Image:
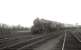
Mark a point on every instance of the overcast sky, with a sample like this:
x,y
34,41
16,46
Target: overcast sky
x,y
14,12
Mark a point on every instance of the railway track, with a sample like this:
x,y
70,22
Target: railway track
x,y
71,42
68,42
29,44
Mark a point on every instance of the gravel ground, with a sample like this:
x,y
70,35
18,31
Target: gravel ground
x,y
50,45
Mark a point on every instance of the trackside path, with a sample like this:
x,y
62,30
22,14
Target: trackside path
x,y
50,45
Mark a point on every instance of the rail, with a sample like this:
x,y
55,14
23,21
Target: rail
x,y
29,42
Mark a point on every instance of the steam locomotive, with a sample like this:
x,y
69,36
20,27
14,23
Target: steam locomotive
x,y
42,25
